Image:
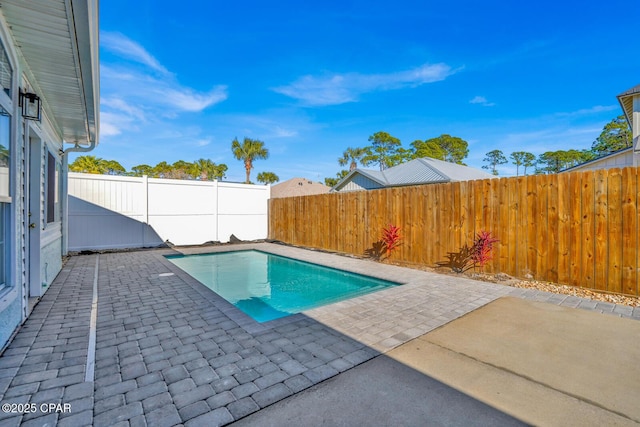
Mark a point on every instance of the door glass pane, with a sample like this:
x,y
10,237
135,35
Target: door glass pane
x,y
5,134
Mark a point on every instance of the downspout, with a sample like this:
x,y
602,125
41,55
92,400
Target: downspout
x,y
65,191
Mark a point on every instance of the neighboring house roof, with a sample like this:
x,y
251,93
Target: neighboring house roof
x,y
58,41
418,171
626,102
606,161
298,187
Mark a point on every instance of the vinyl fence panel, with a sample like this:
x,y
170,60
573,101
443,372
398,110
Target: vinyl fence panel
x,y
109,212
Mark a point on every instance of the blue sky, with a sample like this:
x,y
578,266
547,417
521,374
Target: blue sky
x,y
179,81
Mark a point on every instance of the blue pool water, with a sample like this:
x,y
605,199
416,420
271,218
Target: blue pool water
x,y
268,287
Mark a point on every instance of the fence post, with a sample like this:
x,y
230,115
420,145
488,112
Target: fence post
x,y
145,207
145,199
216,214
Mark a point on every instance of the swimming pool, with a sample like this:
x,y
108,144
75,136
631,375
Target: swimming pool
x,y
268,287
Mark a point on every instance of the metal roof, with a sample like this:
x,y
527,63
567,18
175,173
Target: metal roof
x,y
626,102
419,171
57,43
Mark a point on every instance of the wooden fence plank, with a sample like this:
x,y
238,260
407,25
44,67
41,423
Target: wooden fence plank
x,y
601,230
629,231
564,223
522,233
541,223
531,227
502,225
457,216
552,257
494,214
575,228
510,233
613,237
588,230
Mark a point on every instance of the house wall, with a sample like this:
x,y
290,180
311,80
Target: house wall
x,y
110,212
613,161
30,142
359,182
13,295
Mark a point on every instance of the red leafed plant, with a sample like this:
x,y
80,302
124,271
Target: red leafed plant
x,y
391,238
481,251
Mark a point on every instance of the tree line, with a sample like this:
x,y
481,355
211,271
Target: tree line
x,y
202,169
386,151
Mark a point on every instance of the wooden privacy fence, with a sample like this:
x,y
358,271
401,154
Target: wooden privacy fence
x,y
578,228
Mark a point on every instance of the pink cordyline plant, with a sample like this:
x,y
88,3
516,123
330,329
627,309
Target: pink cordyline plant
x,y
391,238
481,251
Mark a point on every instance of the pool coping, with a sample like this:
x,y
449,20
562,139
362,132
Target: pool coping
x,y
388,283
339,315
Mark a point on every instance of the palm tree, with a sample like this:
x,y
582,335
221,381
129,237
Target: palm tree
x,y
250,150
268,177
204,168
353,155
89,164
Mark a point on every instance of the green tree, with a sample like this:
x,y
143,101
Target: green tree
x,y
494,158
555,161
181,169
385,150
267,177
455,149
353,156
615,136
523,158
140,170
89,164
114,168
219,172
248,151
162,170
332,182
207,170
427,149
4,155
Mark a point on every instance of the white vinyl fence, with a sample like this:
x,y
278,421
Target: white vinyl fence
x,y
114,212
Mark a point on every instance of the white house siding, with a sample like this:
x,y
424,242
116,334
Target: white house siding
x,y
109,212
12,295
360,182
620,160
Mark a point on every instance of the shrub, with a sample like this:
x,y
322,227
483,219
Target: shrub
x,y
481,251
391,238
477,255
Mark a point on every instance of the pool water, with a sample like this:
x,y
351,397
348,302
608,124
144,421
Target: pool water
x,y
268,287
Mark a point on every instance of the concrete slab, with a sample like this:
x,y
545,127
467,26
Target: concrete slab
x,y
380,392
544,364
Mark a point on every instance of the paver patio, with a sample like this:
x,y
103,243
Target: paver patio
x,y
169,351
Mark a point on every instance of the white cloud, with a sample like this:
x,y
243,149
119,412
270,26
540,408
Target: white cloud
x,y
143,91
588,111
124,47
551,139
342,88
188,100
482,101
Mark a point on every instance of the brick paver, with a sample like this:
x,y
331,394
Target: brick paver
x,y
169,351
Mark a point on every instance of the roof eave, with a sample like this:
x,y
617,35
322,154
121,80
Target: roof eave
x,y
47,32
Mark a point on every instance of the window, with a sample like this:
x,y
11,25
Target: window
x,y
5,160
6,72
6,83
53,190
